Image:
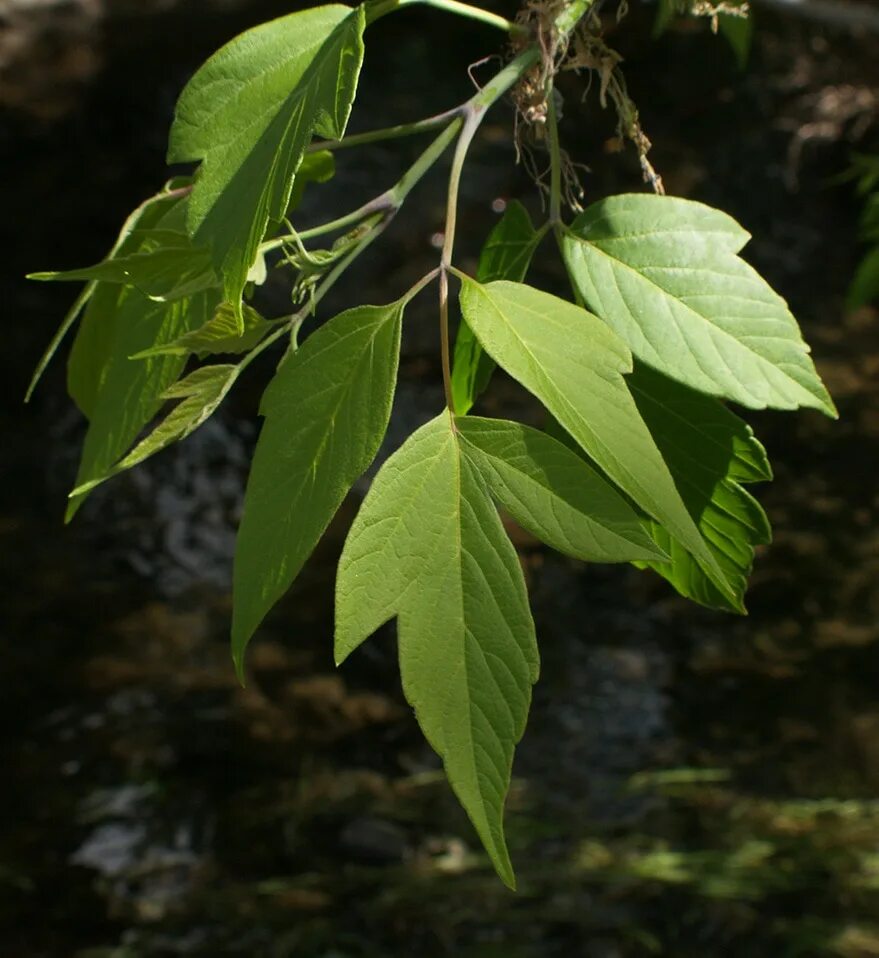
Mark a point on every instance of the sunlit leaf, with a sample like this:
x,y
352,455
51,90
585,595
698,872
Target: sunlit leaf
x,y
665,275
575,364
201,393
326,412
428,548
553,493
248,115
710,453
220,334
507,254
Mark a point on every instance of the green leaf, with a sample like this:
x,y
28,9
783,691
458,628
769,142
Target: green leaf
x,y
665,275
248,115
166,266
84,362
574,365
326,412
220,334
128,393
507,254
739,33
428,547
317,167
553,493
202,392
710,453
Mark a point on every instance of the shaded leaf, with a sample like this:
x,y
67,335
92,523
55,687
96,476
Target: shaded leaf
x,y
326,412
507,254
574,364
864,288
317,167
551,491
710,453
248,115
665,275
220,334
739,33
428,548
165,266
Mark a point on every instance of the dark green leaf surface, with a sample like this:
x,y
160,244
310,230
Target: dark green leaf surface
x,y
507,254
129,391
710,453
574,364
166,266
553,493
248,115
665,275
428,548
326,412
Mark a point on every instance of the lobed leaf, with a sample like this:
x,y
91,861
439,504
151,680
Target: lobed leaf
x,y
428,548
552,492
574,364
326,412
664,274
710,453
507,254
248,115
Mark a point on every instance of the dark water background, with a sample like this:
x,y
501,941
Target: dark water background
x,y
690,784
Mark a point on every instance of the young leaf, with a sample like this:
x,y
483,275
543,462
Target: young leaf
x,y
326,412
574,365
220,334
710,453
248,115
507,254
317,167
551,491
128,393
166,266
428,547
202,392
665,275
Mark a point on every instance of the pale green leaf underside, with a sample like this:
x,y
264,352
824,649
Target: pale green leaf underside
x,y
574,364
554,493
710,453
326,412
220,334
507,254
428,548
665,275
248,115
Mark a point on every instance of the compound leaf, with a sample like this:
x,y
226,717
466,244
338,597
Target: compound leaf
x,y
427,547
220,334
507,254
248,115
710,453
665,275
574,364
553,493
326,412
